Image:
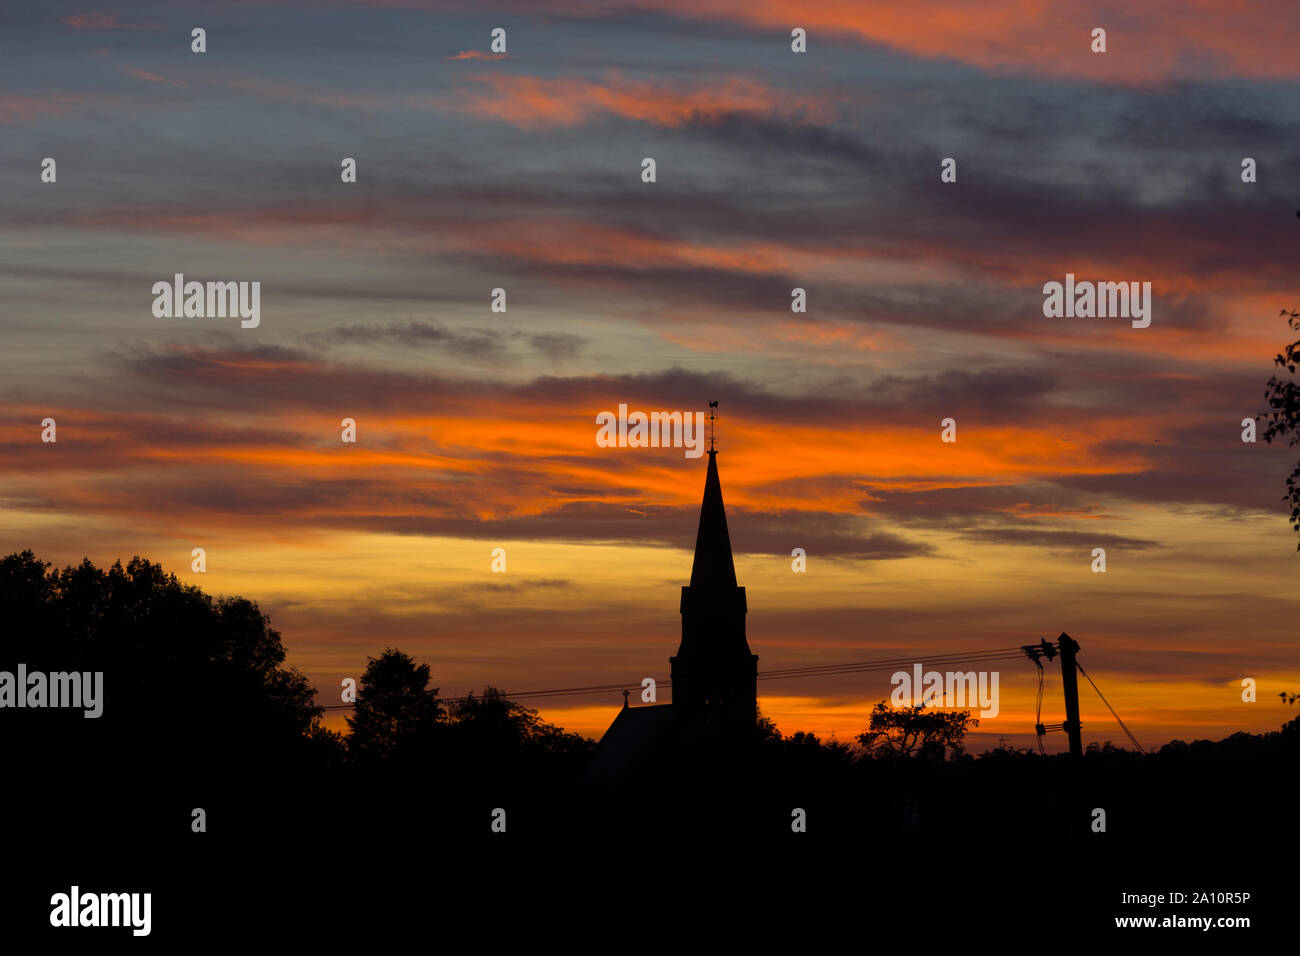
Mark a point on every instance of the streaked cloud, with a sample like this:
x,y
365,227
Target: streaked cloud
x,y
477,55
532,102
104,21
148,77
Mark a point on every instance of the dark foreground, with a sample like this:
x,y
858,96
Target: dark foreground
x,y
314,867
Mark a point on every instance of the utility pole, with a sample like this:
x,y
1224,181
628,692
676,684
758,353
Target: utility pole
x,y
1070,686
1072,804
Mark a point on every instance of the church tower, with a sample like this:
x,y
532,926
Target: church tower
x,y
714,675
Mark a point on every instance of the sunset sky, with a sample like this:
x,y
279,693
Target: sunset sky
x,y
775,170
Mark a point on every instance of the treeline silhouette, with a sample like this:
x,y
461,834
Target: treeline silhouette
x,y
200,711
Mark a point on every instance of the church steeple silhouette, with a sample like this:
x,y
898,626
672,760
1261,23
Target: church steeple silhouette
x,y
714,674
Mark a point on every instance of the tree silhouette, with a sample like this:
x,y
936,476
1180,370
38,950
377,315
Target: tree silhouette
x,y
195,699
494,741
188,677
914,732
765,729
1284,398
397,714
493,722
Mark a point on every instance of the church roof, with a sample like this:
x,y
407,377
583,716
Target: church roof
x,y
628,744
713,569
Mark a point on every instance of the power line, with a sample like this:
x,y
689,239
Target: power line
x,y
950,662
955,657
818,670
1123,726
1038,707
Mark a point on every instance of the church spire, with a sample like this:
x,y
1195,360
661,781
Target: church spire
x,y
714,568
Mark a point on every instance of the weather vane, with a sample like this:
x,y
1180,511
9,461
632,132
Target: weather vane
x,y
712,418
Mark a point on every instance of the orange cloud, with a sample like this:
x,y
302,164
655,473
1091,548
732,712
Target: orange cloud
x,y
102,21
1154,41
145,75
16,108
521,471
1151,41
477,55
532,102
